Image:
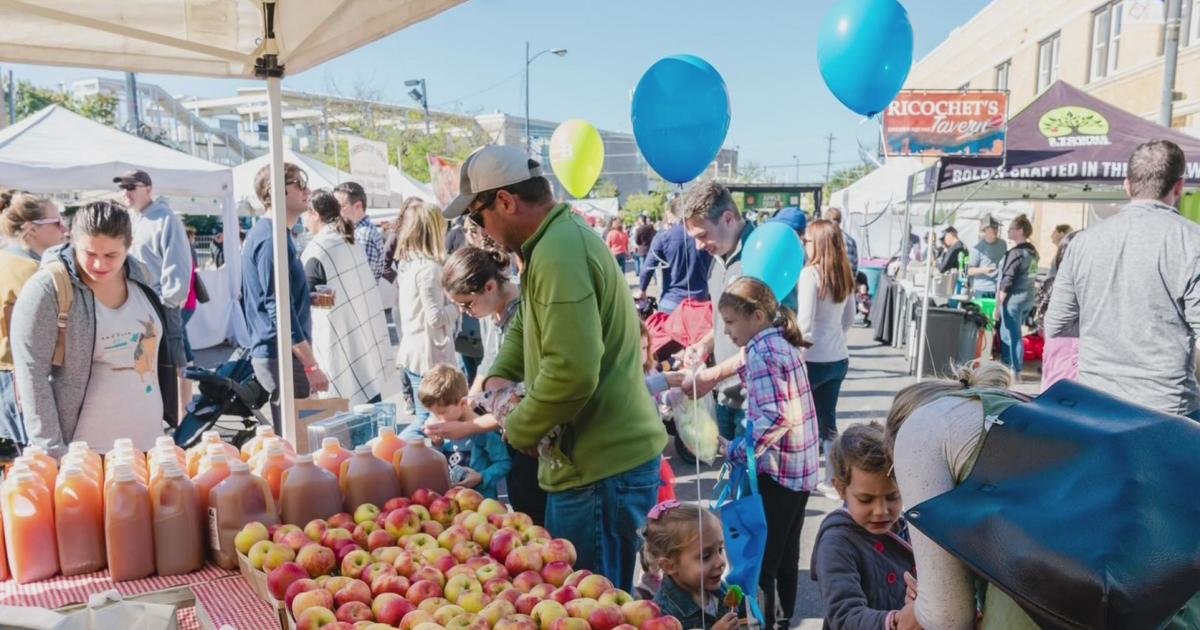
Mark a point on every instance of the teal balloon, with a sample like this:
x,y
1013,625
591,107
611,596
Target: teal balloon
x,y
773,253
865,50
680,116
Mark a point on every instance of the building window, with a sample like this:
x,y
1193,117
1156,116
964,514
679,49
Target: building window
x,y
1002,76
1190,31
1048,61
1106,40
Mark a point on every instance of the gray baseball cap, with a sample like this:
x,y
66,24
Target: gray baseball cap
x,y
489,167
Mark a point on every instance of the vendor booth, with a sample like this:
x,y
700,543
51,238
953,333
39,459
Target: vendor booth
x,y
56,151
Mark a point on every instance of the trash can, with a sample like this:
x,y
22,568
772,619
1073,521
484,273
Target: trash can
x,y
944,332
973,324
872,274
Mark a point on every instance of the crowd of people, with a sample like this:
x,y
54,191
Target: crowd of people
x,y
95,322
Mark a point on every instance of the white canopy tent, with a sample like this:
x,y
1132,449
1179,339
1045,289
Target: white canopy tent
x,y
320,175
404,186
57,151
261,39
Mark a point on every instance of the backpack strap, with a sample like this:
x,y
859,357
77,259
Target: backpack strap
x,y
66,296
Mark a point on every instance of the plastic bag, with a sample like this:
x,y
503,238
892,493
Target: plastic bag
x,y
104,611
695,424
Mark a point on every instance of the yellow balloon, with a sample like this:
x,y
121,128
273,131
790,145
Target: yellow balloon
x,y
577,156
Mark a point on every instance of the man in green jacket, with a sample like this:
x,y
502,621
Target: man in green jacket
x,y
576,344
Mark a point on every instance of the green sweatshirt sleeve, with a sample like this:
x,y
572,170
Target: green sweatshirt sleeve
x,y
572,346
510,360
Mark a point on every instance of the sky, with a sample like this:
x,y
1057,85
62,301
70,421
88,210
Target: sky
x,y
472,58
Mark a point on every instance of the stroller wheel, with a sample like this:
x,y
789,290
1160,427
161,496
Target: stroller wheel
x,y
684,453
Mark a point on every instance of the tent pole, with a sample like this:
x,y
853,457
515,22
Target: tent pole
x,y
283,323
922,339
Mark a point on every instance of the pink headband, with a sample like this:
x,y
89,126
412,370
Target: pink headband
x,y
659,510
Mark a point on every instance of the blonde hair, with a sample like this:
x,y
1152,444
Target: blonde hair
x,y
747,295
673,530
443,385
830,260
17,209
987,375
422,234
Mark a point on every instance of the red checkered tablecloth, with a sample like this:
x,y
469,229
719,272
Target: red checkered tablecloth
x,y
231,602
63,591
187,619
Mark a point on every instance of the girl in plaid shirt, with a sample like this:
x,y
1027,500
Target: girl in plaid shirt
x,y
781,427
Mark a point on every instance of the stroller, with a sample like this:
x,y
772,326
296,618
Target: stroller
x,y
230,390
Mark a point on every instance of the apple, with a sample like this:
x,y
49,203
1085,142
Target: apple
x,y
346,549
453,535
460,517
380,539
594,586
468,621
490,570
294,540
402,522
471,520
640,611
301,586
316,560
626,626
605,617
429,574
473,601
487,507
433,528
318,597
252,533
444,562
497,610
282,577
495,586
377,569
429,626
315,529
518,520
386,554
434,604
483,533
465,550
526,580
443,510
315,617
258,553
361,531
570,623
582,607
556,572
460,584
480,562
397,584
459,569
560,550
523,559
516,622
389,608
333,535
355,563
525,603
342,520
508,594
537,533
283,530
542,591
346,625
420,542
421,511
503,542
575,578
430,556
615,597
497,519
444,614
564,594
424,496
422,590
467,499
664,622
351,612
354,591
278,555
336,583
415,618
366,512
405,564
547,612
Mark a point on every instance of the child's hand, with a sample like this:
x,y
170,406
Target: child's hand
x,y
728,622
906,619
472,479
675,379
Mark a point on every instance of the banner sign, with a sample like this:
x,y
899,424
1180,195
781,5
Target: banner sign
x,y
932,123
443,174
369,167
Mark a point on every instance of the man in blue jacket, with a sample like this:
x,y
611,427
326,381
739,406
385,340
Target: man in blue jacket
x,y
685,268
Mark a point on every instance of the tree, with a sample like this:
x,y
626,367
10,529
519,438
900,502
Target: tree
x,y
653,205
31,99
751,172
605,188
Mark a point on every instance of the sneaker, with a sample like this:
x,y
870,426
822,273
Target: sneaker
x,y
827,489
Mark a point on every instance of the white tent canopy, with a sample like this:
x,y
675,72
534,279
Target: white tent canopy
x,y
404,186
320,175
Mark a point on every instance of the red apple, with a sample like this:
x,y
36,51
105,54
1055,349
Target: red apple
x,y
344,550
283,530
415,618
480,562
468,621
355,563
423,590
502,544
402,522
547,612
334,534
335,583
497,610
429,574
421,511
342,520
640,611
396,503
497,520
626,626
453,535
594,586
496,586
569,623
526,580
377,569
282,576
434,604
489,570
386,554
300,586
397,584
355,591
443,510
315,617
559,550
556,572
542,590
353,611
536,533
459,569
581,608
468,499
459,585
518,520
433,528
605,617
391,608
361,531
508,594
444,563
614,597
523,559
315,529
575,578
417,543
379,538
516,622
665,622
316,560
465,550
525,603
483,533
444,614
405,564
424,496
317,597
564,594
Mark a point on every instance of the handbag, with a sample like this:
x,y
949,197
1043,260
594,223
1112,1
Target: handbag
x,y
745,525
202,296
1081,507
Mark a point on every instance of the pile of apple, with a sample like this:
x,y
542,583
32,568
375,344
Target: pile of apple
x,y
431,562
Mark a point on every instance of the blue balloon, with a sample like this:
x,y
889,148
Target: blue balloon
x,y
865,51
773,254
680,116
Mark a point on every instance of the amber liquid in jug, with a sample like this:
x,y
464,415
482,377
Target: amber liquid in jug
x,y
367,479
419,466
128,526
178,527
79,520
309,492
239,499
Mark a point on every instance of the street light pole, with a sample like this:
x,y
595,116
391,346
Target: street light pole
x,y
529,60
797,160
1170,60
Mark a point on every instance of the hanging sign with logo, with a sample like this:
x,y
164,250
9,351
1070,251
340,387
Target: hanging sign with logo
x,y
369,167
938,123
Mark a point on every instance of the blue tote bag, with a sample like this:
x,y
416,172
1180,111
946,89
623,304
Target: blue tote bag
x,y
745,526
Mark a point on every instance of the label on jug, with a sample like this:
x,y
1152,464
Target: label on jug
x,y
214,530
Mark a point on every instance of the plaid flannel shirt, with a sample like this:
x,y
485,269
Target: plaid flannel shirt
x,y
368,234
781,418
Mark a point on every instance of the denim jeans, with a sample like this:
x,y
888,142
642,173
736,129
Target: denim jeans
x,y
620,262
11,425
186,316
469,366
602,520
825,379
414,431
730,421
1012,346
267,373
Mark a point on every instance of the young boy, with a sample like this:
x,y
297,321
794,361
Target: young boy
x,y
862,554
476,462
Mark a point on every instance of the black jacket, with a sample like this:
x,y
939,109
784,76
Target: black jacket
x,y
861,575
1019,269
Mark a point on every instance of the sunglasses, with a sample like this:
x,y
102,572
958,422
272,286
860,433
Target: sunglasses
x,y
59,222
300,184
476,215
130,186
464,306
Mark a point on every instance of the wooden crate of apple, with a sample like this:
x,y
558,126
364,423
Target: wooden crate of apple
x,y
430,562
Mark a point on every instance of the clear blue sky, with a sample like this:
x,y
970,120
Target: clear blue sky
x,y
765,49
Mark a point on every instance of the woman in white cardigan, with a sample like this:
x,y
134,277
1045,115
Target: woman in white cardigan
x,y
427,319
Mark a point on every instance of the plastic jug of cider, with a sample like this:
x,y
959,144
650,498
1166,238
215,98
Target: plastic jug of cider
x,y
237,500
206,481
256,443
166,443
385,446
93,464
331,456
367,479
79,521
197,452
178,528
273,442
43,464
128,527
420,466
136,460
27,506
127,444
271,463
308,492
